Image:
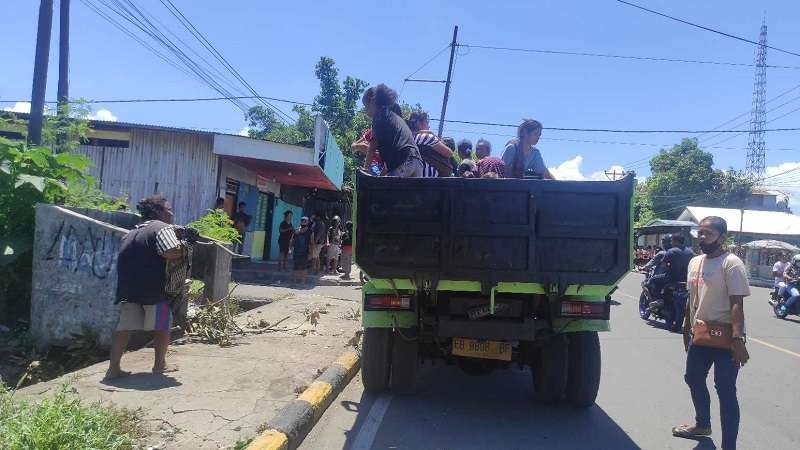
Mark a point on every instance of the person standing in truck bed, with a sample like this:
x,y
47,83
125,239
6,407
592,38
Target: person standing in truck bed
x,y
390,134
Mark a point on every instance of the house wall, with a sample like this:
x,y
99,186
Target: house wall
x,y
182,166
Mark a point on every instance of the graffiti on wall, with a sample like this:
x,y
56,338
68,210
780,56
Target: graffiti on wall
x,y
90,251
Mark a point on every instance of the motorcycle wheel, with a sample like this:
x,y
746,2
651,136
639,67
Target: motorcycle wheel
x,y
779,313
643,304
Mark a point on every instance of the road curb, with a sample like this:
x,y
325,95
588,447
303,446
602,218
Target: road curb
x,y
292,423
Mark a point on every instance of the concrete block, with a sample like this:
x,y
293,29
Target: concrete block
x,y
74,276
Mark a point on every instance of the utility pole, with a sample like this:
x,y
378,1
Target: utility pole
x,y
40,71
63,55
447,83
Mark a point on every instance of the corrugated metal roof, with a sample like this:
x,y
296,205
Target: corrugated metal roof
x,y
669,223
756,222
772,244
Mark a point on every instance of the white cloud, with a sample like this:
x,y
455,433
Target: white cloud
x,y
104,115
19,107
571,170
244,132
788,185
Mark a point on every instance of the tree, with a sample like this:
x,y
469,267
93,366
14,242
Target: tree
x,y
680,176
684,175
339,104
264,124
730,189
642,205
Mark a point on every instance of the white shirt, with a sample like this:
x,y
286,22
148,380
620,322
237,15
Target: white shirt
x,y
780,267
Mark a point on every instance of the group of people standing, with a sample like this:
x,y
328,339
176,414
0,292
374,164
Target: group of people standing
x,y
315,246
400,147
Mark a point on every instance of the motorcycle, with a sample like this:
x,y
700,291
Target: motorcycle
x,y
670,309
776,301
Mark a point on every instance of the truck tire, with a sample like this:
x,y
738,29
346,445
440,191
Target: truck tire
x,y
583,379
405,360
549,369
375,359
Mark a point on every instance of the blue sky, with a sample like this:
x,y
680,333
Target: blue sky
x,y
276,44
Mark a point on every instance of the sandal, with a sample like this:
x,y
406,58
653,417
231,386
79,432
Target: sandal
x,y
690,431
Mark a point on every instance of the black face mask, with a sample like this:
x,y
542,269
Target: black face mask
x,y
710,248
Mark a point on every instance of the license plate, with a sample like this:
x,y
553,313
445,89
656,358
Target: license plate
x,y
474,348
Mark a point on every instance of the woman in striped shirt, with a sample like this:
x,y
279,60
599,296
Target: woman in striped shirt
x,y
436,156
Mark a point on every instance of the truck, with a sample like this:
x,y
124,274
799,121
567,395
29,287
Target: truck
x,y
486,273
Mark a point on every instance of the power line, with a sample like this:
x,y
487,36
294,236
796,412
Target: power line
x,y
209,46
614,56
732,36
176,100
153,33
607,130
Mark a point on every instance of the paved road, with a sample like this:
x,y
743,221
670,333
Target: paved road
x,y
642,395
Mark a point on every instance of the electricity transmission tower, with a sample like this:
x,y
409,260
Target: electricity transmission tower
x,y
756,150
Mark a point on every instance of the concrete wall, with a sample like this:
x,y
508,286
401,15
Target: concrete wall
x,y
74,276
74,282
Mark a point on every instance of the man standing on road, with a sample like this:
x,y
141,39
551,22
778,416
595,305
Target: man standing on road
x,y
141,266
717,288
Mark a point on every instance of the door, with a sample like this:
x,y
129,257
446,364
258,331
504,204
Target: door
x,y
266,207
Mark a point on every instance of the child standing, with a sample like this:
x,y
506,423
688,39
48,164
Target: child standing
x,y
347,250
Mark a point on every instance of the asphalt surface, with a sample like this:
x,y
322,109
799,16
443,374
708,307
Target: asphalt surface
x,y
642,395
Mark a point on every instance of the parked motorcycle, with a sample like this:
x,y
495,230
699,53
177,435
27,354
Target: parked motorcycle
x,y
776,301
669,306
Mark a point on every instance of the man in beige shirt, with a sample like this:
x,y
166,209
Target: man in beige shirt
x,y
717,282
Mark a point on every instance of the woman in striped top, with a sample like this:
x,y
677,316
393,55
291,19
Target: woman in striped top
x,y
436,155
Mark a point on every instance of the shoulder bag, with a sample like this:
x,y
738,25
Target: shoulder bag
x,y
706,333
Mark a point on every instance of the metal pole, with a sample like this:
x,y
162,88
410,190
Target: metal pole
x,y
40,71
447,83
63,55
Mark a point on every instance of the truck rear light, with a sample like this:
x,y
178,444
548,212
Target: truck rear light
x,y
586,310
387,301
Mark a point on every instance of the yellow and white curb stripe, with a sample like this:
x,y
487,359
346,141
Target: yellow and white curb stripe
x,y
291,425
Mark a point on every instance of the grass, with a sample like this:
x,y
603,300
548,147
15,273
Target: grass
x,y
62,421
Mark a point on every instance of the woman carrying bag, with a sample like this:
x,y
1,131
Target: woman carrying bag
x,y
714,332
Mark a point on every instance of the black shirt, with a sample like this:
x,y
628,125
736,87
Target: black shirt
x,y
677,262
395,140
286,231
140,267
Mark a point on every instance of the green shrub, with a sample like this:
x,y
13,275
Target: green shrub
x,y
217,225
62,421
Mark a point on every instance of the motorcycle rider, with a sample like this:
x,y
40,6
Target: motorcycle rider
x,y
676,260
792,277
777,272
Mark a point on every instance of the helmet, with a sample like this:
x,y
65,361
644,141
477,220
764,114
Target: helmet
x,y
666,241
796,260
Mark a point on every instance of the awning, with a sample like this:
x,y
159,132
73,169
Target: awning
x,y
303,175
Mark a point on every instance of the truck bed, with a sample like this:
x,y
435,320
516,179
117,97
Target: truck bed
x,y
556,233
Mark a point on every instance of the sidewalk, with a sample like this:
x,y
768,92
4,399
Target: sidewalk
x,y
267,273
221,395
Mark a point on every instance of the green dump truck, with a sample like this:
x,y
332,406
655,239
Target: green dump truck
x,y
484,273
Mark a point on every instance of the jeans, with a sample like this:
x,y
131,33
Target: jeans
x,y
412,168
347,262
794,295
698,363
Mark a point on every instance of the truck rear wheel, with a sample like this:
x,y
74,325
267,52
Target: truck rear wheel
x,y
375,359
405,360
583,380
549,369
